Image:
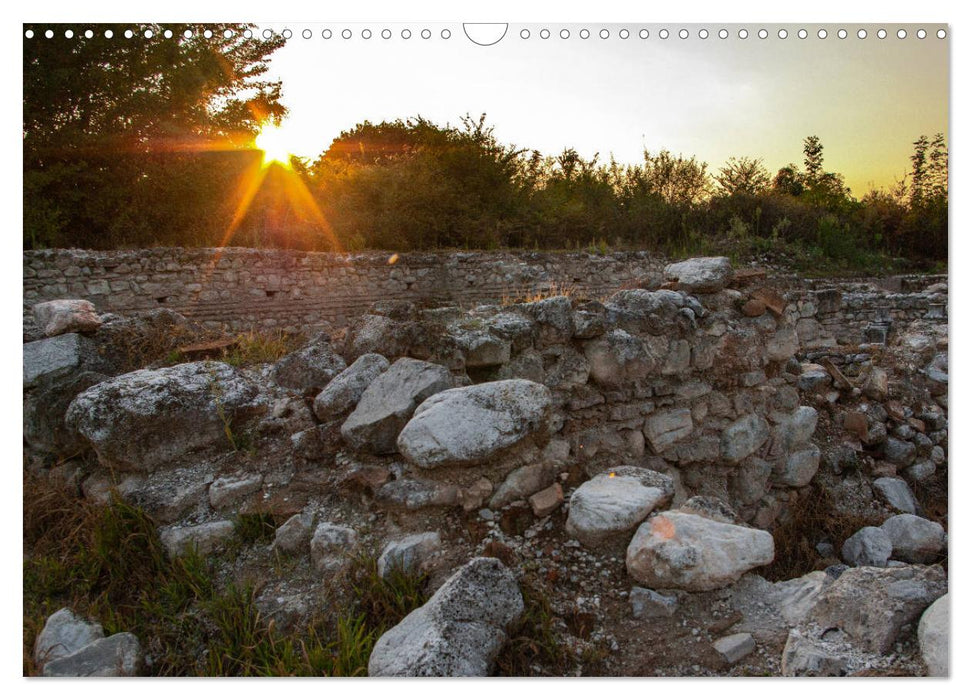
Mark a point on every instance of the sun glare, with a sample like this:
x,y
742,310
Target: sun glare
x,y
273,141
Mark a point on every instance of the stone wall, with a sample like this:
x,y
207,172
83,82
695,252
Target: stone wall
x,y
245,288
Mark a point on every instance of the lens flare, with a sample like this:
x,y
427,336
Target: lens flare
x,y
275,144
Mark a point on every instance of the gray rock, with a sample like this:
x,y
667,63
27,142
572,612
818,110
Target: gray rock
x,y
227,490
800,467
783,344
663,430
641,311
704,275
933,635
204,539
309,369
480,347
618,358
868,546
53,357
343,392
876,385
458,632
293,537
470,425
516,328
896,493
330,544
692,553
554,319
66,316
921,471
914,539
735,647
801,657
605,509
873,605
45,406
589,320
376,334
389,402
114,656
408,553
522,483
148,419
743,437
797,429
647,604
899,452
63,635
415,494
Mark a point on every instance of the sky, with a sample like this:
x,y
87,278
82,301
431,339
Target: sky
x,y
867,99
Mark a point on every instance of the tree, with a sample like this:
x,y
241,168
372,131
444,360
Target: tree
x,y
124,137
743,176
812,150
937,174
918,171
789,181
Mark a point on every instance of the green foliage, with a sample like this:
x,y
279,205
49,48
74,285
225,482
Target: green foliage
x,y
107,563
258,347
251,528
137,141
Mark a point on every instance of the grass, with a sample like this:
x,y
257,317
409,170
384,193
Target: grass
x,y
256,347
555,289
812,518
107,564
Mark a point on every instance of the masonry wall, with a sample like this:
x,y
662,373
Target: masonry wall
x,y
246,288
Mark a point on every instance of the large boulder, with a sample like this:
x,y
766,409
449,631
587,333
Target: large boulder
x,y
389,402
459,631
873,605
472,424
66,316
694,553
610,505
914,539
343,392
933,635
148,419
309,369
705,275
45,406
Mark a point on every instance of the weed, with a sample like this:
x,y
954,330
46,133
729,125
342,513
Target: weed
x,y
383,602
533,641
255,347
554,289
812,518
254,527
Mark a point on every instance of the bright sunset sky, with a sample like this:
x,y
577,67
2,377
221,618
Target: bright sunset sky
x,y
867,100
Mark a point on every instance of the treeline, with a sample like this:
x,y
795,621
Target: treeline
x,y
140,143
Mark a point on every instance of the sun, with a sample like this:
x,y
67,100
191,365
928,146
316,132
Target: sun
x,y
275,144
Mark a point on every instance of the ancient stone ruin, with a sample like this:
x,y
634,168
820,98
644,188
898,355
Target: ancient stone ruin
x,y
650,451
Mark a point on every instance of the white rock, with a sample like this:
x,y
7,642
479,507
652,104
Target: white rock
x,y
458,632
294,535
914,539
665,429
868,546
743,437
330,544
148,419
800,467
205,538
689,552
119,655
933,635
735,647
609,506
706,275
66,316
226,490
896,493
618,358
470,425
646,603
408,553
343,392
389,402
63,635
